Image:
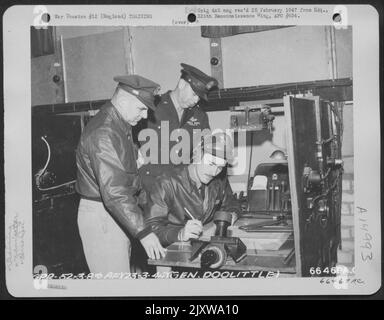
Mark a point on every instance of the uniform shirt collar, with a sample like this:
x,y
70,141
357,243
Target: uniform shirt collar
x,y
175,102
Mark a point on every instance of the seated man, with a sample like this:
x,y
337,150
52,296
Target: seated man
x,y
196,190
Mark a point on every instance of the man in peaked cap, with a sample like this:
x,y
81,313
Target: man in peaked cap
x,y
201,187
179,109
108,181
200,83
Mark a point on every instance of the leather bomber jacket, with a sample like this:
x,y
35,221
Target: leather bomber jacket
x,y
173,191
107,169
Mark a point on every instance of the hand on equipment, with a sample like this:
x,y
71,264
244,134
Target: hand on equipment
x,y
192,230
152,246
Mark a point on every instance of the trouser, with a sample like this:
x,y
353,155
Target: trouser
x,y
106,247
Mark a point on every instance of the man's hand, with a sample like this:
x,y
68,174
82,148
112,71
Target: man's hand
x,y
192,230
152,246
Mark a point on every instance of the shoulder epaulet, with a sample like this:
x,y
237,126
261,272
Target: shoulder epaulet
x,y
163,98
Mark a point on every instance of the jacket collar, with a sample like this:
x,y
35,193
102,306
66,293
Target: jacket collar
x,y
187,178
212,187
192,175
169,107
212,190
115,115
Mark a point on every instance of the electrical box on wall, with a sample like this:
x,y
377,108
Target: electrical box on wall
x,y
251,118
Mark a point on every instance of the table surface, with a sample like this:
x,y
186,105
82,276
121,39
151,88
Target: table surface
x,y
179,253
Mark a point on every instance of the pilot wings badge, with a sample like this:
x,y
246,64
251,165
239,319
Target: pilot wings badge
x,y
193,122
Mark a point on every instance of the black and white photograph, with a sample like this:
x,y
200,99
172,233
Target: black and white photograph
x,y
192,152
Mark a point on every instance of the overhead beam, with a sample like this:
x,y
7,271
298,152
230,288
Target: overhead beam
x,y
222,99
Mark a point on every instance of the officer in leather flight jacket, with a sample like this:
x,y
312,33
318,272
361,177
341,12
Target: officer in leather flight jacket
x,y
108,180
200,188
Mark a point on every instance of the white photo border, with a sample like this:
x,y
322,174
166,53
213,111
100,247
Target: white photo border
x,y
17,21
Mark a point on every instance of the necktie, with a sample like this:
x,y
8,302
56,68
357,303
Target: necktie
x,y
202,191
187,113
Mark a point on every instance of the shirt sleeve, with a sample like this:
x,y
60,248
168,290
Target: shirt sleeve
x,y
118,187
